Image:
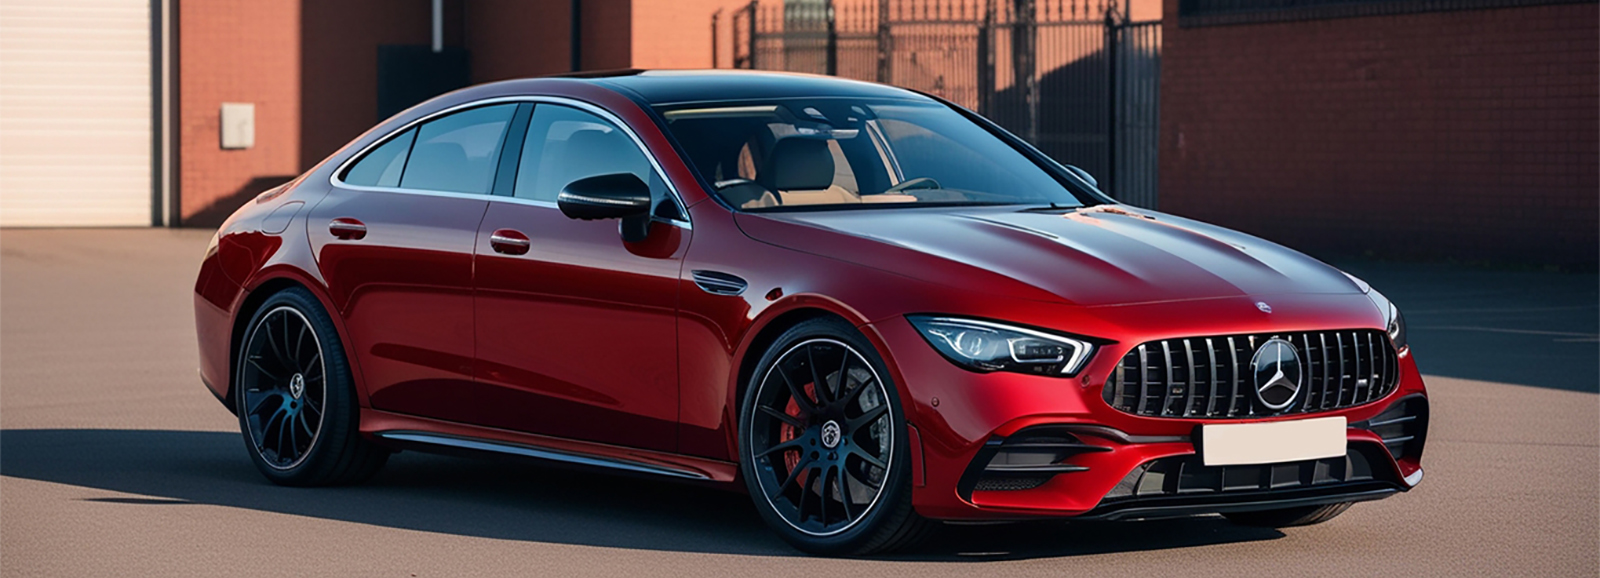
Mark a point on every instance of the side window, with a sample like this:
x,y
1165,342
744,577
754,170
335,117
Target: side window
x,y
458,153
565,144
382,166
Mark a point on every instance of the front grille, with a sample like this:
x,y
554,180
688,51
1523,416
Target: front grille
x,y
1188,475
1210,377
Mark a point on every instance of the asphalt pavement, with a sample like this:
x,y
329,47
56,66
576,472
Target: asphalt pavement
x,y
114,460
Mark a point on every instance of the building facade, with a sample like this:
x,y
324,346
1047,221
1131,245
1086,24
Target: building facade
x,y
120,112
1463,129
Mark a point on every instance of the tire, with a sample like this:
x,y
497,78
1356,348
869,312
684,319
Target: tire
x,y
1288,517
836,441
295,398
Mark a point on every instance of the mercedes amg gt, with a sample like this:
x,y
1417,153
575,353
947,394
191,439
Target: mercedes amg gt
x,y
867,307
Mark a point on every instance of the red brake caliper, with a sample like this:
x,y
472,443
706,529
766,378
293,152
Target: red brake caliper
x,y
791,458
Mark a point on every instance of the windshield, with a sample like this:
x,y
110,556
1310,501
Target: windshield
x,y
801,154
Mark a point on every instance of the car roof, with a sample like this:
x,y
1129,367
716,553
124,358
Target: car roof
x,y
659,87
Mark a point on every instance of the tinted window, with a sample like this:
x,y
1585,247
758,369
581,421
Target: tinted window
x,y
458,153
382,166
566,144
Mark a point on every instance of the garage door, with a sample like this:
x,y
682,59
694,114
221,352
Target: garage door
x,y
75,113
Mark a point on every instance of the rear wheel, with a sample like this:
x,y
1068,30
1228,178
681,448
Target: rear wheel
x,y
295,398
823,445
1302,516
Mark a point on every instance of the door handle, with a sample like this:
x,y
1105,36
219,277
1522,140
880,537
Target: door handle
x,y
347,228
509,242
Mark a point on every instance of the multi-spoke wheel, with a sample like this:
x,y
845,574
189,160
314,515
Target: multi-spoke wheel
x,y
822,444
294,397
284,384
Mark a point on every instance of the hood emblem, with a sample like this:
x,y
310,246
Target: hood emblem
x,y
1262,305
1277,374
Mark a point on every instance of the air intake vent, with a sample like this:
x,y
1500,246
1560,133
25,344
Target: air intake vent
x,y
1024,461
1188,475
717,283
1403,427
1211,377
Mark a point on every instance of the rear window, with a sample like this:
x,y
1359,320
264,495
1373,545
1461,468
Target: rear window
x,y
458,153
382,166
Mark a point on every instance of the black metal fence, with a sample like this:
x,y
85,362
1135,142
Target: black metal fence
x,y
1074,77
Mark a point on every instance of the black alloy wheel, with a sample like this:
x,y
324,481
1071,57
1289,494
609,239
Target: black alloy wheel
x,y
285,388
823,444
295,399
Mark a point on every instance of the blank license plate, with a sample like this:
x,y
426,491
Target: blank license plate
x,y
1272,442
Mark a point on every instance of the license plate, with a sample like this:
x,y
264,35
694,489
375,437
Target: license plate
x,y
1272,442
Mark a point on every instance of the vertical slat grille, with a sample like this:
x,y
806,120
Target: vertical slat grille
x,y
1211,377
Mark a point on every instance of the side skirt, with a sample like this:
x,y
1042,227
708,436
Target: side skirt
x,y
423,434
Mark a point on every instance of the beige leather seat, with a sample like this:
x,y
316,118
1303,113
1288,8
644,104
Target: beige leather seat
x,y
801,171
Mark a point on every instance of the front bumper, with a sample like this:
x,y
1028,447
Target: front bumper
x,y
980,439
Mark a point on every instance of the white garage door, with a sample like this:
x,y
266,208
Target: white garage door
x,y
75,112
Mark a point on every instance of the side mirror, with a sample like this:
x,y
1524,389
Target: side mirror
x,y
615,196
1083,174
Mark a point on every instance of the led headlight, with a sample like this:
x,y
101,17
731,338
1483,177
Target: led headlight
x,y
986,346
1393,322
1396,326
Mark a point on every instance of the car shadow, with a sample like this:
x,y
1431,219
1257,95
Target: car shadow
x,y
518,500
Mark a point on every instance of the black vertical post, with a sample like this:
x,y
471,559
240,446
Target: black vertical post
x,y
751,10
577,35
833,41
715,16
1023,49
986,60
883,41
1112,52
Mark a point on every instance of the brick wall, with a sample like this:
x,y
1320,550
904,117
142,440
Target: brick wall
x,y
236,51
339,63
1471,135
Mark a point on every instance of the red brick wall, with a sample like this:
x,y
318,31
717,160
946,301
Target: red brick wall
x,y
1471,135
236,51
518,38
339,63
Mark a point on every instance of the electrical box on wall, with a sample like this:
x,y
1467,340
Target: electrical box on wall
x,y
238,125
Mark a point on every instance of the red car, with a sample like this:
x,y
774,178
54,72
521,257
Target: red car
x,y
868,307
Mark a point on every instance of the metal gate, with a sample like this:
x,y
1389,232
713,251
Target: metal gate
x,y
1074,77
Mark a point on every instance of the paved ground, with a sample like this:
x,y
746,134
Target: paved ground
x,y
115,461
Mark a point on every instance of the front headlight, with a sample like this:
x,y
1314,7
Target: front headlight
x,y
986,346
1393,322
1396,326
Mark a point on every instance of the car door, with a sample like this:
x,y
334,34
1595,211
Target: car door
x,y
576,328
394,241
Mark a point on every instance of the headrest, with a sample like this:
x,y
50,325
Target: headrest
x,y
439,166
596,152
798,164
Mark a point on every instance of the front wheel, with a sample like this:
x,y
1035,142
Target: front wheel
x,y
823,447
1284,518
295,398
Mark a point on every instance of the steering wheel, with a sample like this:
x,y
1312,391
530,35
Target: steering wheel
x,y
913,184
740,191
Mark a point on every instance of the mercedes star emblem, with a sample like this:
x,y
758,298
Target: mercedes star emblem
x,y
1277,374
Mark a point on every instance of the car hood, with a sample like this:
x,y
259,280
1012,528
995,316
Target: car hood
x,y
1103,255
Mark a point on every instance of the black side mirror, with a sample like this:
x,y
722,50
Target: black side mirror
x,y
615,196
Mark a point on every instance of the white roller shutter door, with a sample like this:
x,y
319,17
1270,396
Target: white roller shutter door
x,y
75,113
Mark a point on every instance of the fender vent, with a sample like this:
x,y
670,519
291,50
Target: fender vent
x,y
718,283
